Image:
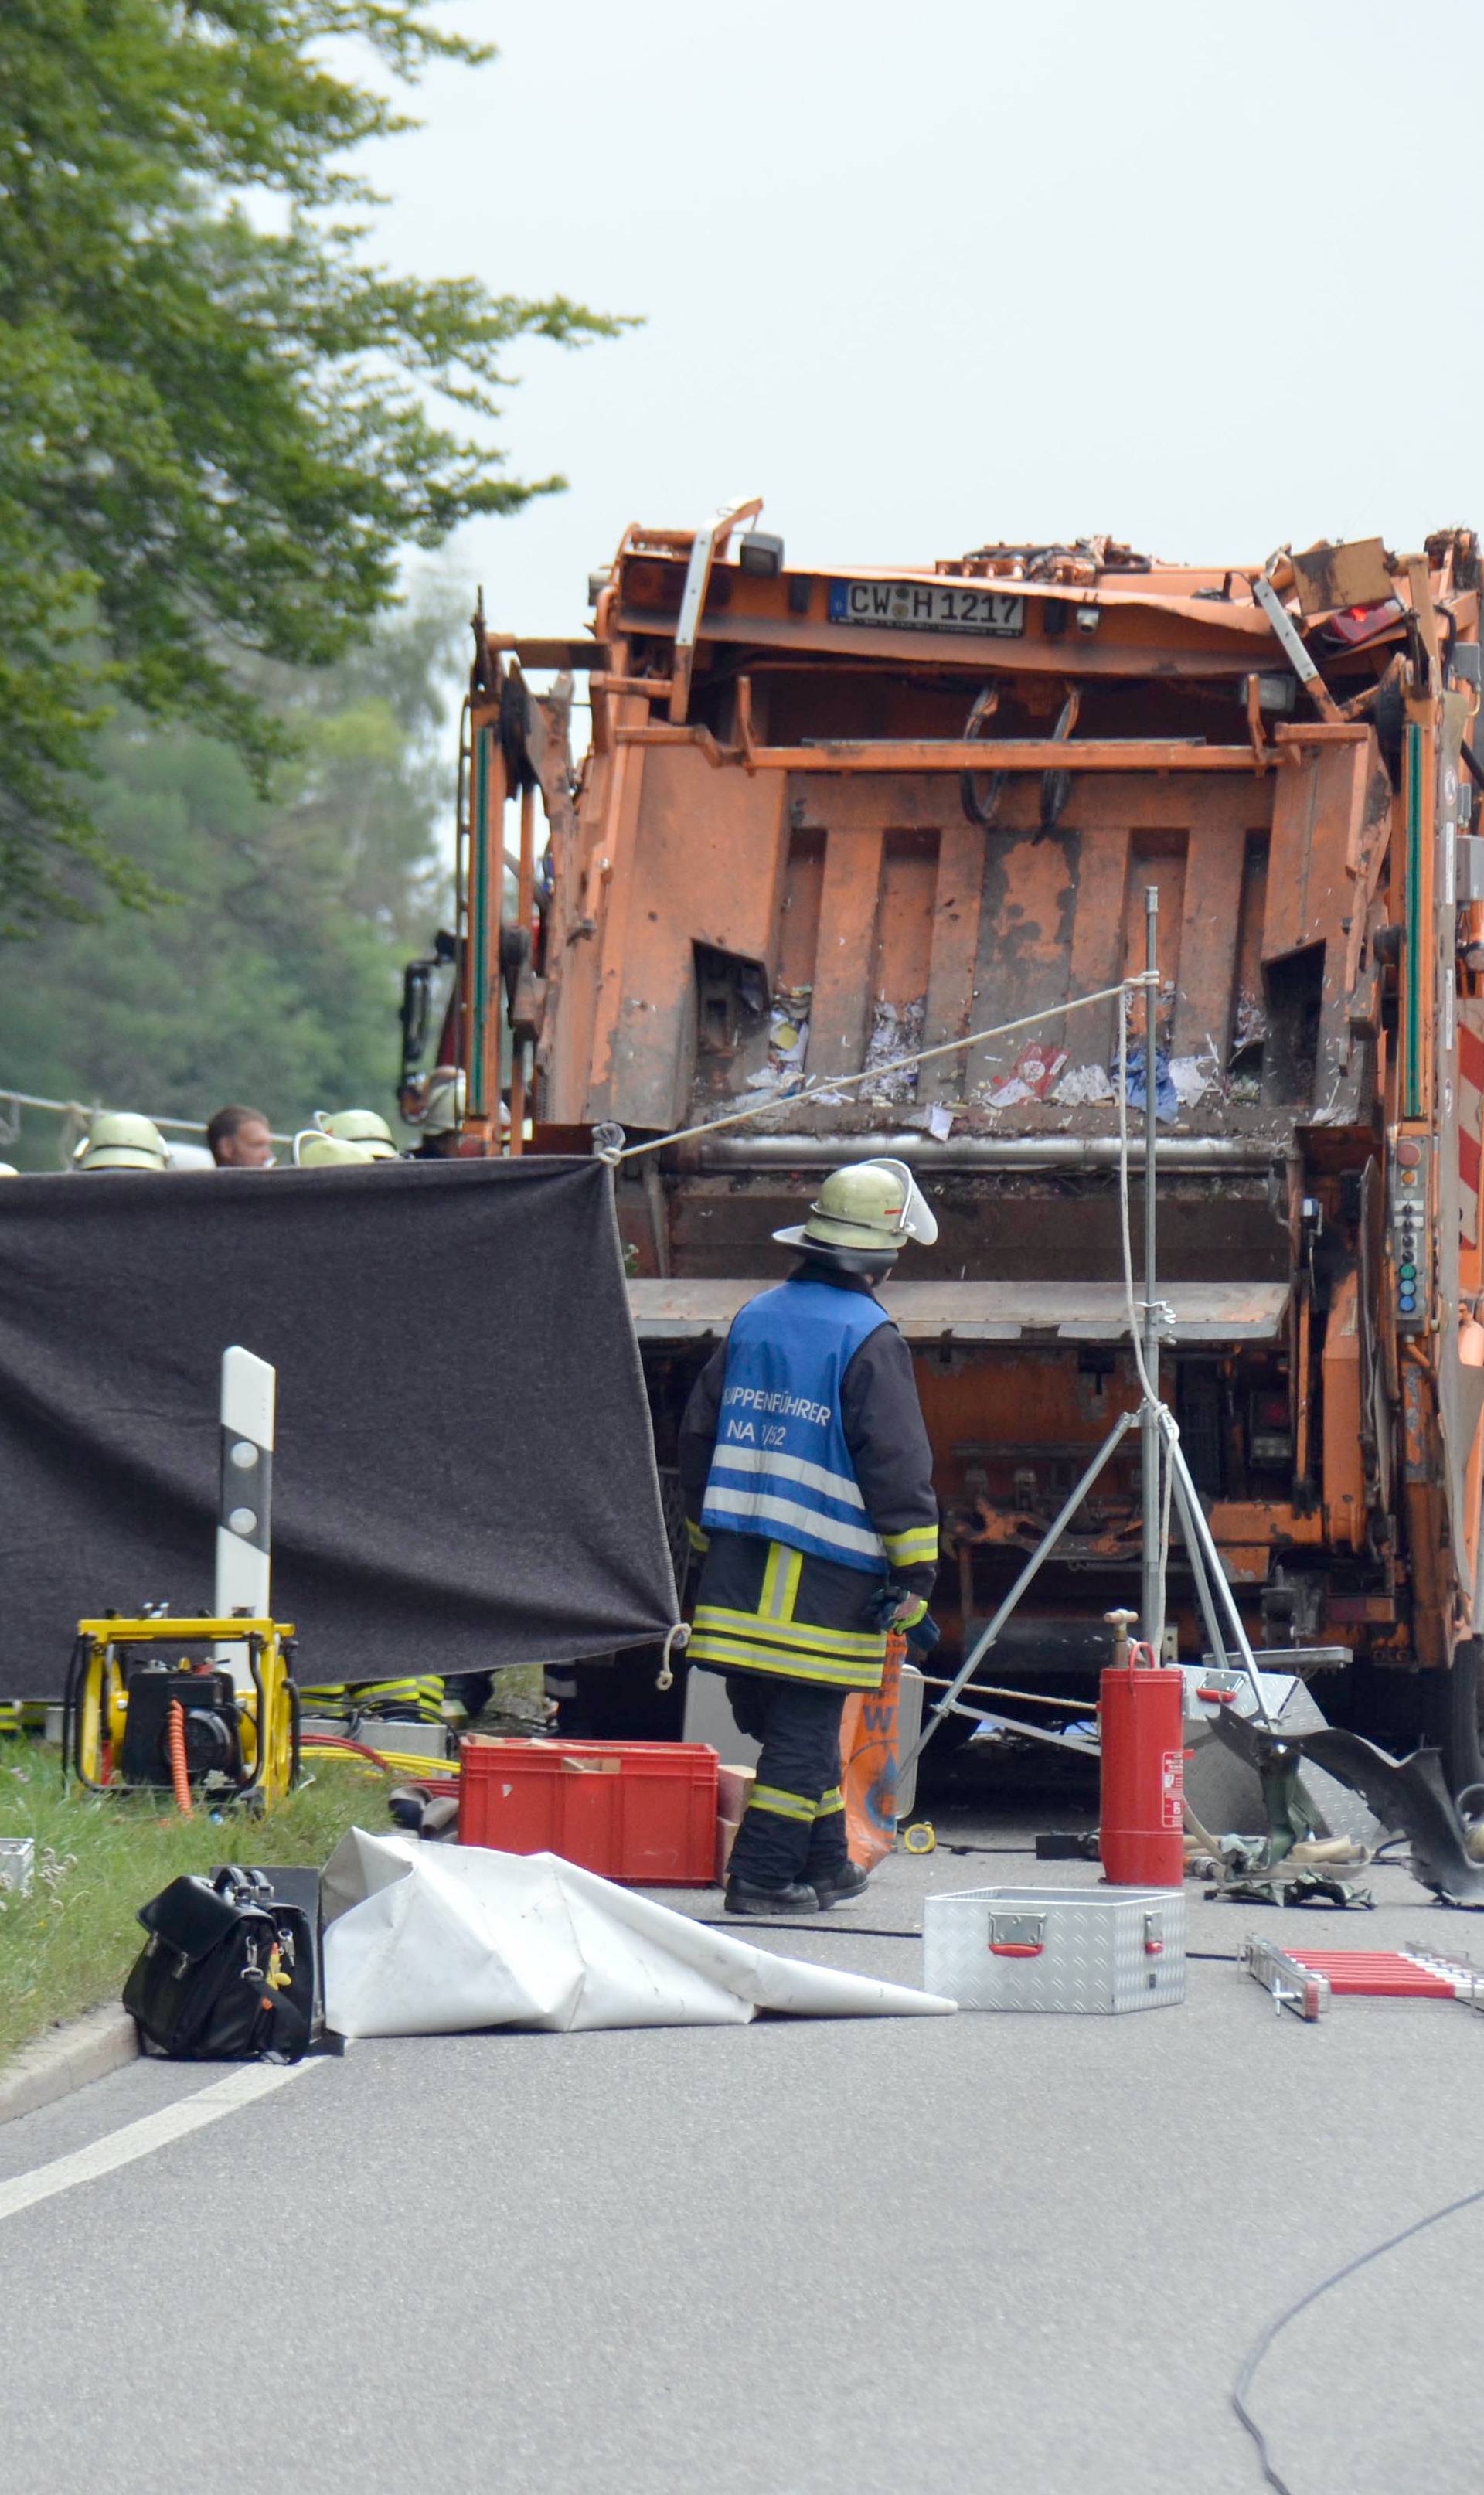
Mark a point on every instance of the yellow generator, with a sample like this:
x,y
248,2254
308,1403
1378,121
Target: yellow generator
x,y
140,1710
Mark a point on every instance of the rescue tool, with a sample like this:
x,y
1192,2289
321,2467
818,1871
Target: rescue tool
x,y
203,1704
1305,1981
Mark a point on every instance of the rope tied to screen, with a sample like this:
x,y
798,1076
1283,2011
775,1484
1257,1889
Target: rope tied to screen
x,y
825,1085
678,1637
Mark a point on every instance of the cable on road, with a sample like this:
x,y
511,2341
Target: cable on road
x,y
876,1933
1243,2382
795,1924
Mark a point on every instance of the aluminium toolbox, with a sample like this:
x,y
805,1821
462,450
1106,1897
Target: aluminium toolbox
x,y
636,1811
1055,1949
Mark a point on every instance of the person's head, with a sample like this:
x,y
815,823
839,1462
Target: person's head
x,y
314,1149
442,1115
239,1138
116,1140
363,1126
863,1217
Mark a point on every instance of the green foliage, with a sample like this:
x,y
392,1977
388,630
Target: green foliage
x,y
217,425
272,972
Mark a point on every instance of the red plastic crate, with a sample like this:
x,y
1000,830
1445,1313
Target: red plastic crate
x,y
640,1812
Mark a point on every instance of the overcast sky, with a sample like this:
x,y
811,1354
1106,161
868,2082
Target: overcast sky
x,y
1205,276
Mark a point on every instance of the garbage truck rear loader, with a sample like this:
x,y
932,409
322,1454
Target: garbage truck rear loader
x,y
827,820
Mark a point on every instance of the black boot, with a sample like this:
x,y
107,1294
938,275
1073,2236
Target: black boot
x,y
746,1897
837,1887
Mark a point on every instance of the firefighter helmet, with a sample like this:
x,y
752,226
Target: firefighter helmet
x,y
445,1097
363,1126
864,1213
314,1149
118,1140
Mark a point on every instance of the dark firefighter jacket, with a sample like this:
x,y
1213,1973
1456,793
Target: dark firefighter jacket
x,y
770,1606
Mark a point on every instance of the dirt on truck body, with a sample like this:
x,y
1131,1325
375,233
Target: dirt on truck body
x,y
829,819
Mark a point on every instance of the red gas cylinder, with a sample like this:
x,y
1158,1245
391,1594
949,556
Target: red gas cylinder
x,y
1141,1717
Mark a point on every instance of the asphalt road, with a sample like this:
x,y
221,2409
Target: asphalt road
x,y
1020,2254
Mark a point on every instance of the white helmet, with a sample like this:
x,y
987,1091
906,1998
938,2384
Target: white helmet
x,y
360,1127
863,1213
445,1098
118,1140
314,1149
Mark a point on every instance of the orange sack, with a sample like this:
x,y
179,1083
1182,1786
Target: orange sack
x,y
868,1762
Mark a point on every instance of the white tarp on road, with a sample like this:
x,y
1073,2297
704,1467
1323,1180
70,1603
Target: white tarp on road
x,y
428,1940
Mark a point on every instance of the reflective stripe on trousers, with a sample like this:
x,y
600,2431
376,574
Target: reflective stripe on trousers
x,y
794,1828
420,1695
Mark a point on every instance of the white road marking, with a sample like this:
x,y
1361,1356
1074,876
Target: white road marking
x,y
153,2131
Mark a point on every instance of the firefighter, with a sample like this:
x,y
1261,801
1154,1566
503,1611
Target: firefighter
x,y
118,1140
314,1149
363,1126
239,1138
406,1697
442,1123
808,1484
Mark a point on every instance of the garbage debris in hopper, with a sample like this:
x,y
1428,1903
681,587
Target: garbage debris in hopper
x,y
1193,1077
1305,1980
895,1031
1166,1098
787,1042
1036,1069
425,1940
1084,1087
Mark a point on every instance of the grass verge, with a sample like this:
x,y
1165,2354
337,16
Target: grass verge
x,y
69,1945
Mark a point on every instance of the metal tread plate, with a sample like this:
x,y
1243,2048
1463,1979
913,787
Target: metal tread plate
x,y
1099,1951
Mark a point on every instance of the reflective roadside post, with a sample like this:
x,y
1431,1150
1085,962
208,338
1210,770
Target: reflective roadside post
x,y
245,1498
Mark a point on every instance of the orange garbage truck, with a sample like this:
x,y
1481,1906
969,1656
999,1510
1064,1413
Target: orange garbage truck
x,y
829,819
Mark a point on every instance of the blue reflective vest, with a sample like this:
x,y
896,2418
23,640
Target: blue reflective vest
x,y
781,1467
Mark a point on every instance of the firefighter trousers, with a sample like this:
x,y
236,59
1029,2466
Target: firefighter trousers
x,y
794,1828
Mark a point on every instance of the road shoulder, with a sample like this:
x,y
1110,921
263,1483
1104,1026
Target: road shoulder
x,y
69,2058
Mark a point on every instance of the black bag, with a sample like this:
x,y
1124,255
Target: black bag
x,y
229,1972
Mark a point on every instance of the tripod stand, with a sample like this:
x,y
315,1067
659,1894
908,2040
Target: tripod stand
x,y
1166,1476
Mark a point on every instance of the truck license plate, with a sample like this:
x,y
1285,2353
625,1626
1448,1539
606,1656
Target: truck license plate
x,y
926,606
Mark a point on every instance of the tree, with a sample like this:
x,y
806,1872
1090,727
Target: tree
x,y
217,434
273,974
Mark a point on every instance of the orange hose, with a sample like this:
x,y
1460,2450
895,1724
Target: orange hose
x,y
176,1736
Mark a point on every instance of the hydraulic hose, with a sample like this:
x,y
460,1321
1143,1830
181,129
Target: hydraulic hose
x,y
175,1737
398,1763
